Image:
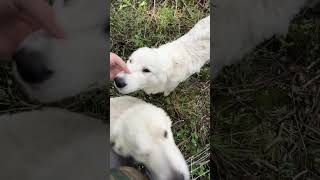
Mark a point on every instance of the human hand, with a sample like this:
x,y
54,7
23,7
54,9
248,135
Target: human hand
x,y
19,18
117,65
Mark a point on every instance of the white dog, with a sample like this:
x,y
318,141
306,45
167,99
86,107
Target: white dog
x,y
57,144
52,144
49,69
161,69
143,131
239,26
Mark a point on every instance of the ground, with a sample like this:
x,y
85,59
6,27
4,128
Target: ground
x,y
141,23
266,111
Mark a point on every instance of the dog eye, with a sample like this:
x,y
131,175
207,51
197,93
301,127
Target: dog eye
x,y
130,60
146,70
165,134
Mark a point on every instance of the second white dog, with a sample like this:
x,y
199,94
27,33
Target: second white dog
x,y
143,131
54,143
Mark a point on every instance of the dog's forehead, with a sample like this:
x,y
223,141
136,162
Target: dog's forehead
x,y
156,121
145,59
147,117
143,53
138,139
146,126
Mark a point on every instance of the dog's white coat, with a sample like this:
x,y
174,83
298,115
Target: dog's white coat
x,y
239,26
57,144
80,61
170,63
137,129
52,144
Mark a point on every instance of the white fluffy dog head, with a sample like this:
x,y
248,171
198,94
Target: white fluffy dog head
x,y
49,69
156,70
143,132
149,72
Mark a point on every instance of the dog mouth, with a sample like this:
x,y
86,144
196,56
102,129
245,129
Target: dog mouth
x,y
123,89
151,175
126,90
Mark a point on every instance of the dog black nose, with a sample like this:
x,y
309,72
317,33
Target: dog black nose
x,y
31,67
120,83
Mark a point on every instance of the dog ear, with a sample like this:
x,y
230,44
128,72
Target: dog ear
x,y
163,77
174,73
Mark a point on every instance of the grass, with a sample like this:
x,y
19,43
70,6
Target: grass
x,y
135,24
266,109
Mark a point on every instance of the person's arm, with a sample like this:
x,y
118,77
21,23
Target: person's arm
x,y
117,65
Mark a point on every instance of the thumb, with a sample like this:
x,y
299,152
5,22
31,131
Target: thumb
x,y
41,12
122,65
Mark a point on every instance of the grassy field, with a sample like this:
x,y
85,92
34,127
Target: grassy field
x,y
135,24
267,111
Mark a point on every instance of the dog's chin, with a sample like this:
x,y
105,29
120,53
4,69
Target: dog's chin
x,y
124,90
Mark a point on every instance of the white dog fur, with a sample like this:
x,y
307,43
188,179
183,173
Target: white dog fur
x,y
143,131
168,64
52,144
78,63
239,26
